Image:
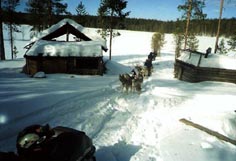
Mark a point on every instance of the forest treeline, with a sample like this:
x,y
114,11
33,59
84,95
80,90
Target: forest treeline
x,y
199,27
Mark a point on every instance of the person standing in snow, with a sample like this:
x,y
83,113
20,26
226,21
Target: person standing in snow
x,y
42,143
134,74
152,56
208,51
148,65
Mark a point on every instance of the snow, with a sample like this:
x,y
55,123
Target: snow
x,y
124,126
58,47
213,60
65,49
85,31
39,75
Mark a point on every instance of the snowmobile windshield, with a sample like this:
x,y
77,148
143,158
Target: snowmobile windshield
x,y
28,140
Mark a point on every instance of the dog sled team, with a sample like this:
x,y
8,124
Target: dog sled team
x,y
133,81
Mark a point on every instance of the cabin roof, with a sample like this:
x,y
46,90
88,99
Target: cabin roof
x,y
66,49
86,43
212,61
70,26
66,28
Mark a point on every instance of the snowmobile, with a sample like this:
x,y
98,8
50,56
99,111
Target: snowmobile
x,y
42,143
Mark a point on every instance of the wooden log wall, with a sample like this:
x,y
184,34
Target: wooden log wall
x,y
72,65
190,73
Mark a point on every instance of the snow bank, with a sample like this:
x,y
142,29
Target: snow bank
x,y
124,126
114,68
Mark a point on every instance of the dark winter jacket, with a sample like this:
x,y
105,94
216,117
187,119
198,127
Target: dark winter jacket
x,y
8,156
148,63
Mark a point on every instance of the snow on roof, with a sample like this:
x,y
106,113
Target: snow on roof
x,y
65,49
212,61
85,31
91,48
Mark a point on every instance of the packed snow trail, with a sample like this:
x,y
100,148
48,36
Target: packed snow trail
x,y
123,126
116,115
156,113
142,126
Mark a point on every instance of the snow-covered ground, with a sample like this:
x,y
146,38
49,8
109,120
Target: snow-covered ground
x,y
123,126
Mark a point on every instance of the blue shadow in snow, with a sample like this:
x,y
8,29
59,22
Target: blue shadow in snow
x,y
118,152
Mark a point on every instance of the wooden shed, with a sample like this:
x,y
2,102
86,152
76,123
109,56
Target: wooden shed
x,y
66,47
192,66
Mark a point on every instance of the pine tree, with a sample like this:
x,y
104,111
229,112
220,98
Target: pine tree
x,y
37,10
2,49
219,24
158,40
43,11
191,9
192,42
232,42
222,47
81,13
9,6
81,10
110,16
178,39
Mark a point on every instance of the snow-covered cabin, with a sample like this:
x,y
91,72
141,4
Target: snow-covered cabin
x,y
66,47
193,66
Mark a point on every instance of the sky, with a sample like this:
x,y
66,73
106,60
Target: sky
x,y
159,9
156,9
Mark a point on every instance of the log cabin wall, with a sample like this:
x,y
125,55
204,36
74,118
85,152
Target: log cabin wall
x,y
72,65
191,73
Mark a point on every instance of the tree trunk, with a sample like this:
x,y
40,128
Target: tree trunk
x,y
11,40
219,22
11,33
187,24
67,34
2,50
111,33
49,13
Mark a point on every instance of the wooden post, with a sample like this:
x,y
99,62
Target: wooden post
x,y
67,33
27,66
211,132
199,61
180,73
111,32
